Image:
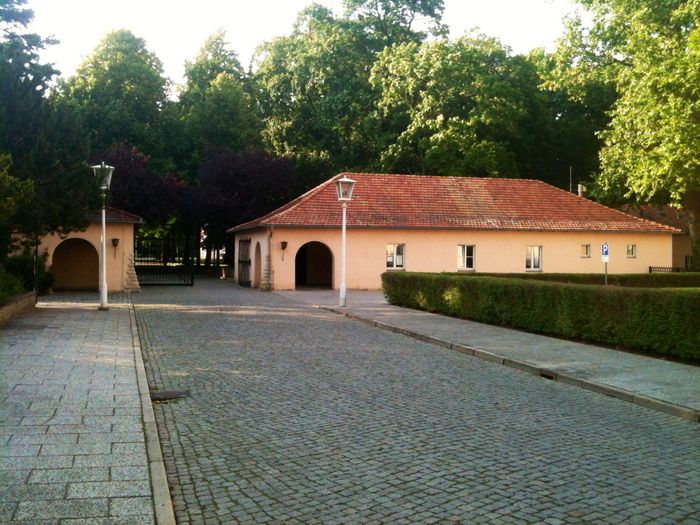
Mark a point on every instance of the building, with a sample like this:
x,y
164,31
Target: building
x,y
441,224
74,258
671,216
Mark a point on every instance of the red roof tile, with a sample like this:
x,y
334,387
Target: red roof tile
x,y
115,216
676,217
428,202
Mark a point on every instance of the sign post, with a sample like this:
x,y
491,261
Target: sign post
x,y
606,257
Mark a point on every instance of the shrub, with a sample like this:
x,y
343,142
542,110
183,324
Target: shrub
x,y
10,285
637,280
660,321
22,266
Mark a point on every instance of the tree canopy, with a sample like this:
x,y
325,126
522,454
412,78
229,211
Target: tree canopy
x,y
649,53
120,90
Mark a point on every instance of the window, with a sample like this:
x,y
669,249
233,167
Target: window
x,y
533,258
631,250
395,255
585,250
466,254
688,261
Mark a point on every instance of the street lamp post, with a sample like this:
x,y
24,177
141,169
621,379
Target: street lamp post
x,y
103,173
344,188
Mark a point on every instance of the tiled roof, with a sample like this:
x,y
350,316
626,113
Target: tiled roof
x,y
676,217
115,216
428,202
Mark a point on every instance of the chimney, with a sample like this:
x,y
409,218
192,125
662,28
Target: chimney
x,y
581,190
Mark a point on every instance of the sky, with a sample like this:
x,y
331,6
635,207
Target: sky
x,y
175,29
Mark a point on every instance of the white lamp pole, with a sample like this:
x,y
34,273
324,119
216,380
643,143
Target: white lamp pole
x,y
104,178
344,189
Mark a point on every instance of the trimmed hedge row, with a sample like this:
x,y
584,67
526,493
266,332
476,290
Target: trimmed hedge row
x,y
637,280
660,321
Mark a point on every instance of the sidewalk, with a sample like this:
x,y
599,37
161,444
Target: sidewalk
x,y
662,385
77,440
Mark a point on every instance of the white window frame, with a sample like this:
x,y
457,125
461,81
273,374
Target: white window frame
x,y
631,251
585,251
531,259
391,254
463,257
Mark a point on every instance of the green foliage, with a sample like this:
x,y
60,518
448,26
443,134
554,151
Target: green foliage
x,y
648,51
660,321
638,280
462,108
393,20
12,193
22,266
44,138
120,90
314,92
10,285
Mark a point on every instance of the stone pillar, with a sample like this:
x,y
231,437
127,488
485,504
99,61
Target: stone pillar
x,y
266,281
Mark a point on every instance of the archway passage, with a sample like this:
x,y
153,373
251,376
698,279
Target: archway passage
x,y
257,264
75,266
314,266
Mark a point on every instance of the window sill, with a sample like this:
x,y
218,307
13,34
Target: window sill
x,y
396,269
466,270
535,270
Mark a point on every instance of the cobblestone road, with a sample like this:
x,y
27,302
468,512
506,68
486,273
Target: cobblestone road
x,y
302,416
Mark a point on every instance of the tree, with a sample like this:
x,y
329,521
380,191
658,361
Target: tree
x,y
44,138
12,192
650,53
137,188
216,108
120,91
213,59
236,188
314,92
460,108
394,20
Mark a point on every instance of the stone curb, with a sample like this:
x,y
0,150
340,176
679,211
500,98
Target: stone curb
x,y
16,305
626,395
162,501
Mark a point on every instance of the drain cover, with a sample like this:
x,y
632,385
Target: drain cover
x,y
168,395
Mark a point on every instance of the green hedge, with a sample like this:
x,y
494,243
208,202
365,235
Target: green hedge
x,y
10,285
637,280
660,321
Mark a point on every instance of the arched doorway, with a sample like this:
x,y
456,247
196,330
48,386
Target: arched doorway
x,y
314,266
75,266
257,265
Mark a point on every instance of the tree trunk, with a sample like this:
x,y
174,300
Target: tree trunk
x,y
691,203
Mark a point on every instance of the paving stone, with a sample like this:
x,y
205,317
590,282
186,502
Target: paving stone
x,y
301,416
130,507
35,510
51,377
110,460
69,474
77,449
109,489
129,473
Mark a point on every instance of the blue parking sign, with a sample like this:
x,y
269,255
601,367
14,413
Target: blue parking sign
x,y
605,250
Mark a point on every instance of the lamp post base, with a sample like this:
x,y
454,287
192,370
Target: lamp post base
x,y
104,308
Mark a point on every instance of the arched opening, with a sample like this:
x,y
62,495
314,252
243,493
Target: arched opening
x,y
75,266
257,265
314,266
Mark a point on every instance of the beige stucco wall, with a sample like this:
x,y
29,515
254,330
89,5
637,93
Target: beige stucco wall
x,y
681,248
436,251
117,258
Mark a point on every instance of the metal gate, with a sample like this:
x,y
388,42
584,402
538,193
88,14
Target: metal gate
x,y
244,262
164,261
